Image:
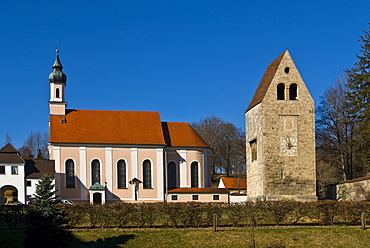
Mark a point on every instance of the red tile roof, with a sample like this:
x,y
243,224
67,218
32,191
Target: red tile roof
x,y
234,183
199,191
107,127
181,134
121,127
266,81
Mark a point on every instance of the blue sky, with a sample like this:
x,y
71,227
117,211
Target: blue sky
x,y
186,59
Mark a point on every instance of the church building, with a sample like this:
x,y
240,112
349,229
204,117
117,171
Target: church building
x,y
103,156
280,133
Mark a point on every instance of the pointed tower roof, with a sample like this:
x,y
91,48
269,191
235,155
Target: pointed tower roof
x,y
57,75
266,81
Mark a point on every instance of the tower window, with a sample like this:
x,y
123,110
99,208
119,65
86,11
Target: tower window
x,y
281,91
293,92
253,145
57,93
287,70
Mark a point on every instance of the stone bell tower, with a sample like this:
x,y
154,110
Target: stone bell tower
x,y
57,81
280,132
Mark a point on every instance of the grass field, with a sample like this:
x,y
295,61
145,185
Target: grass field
x,y
335,236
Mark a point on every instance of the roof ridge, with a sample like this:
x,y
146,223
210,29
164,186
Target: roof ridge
x,y
266,80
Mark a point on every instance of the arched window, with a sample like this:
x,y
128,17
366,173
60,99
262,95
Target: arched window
x,y
95,171
121,174
57,93
171,175
293,92
281,92
194,175
70,174
147,174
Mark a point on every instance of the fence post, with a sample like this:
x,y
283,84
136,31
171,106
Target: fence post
x,y
363,220
215,222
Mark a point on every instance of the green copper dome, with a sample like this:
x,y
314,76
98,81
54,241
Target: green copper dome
x,y
57,76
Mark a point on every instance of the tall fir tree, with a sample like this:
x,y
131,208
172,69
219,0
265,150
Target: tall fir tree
x,y
359,95
47,218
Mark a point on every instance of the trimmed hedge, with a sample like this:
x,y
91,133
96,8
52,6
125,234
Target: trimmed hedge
x,y
197,214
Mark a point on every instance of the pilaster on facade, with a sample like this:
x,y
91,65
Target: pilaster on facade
x,y
134,169
83,173
183,169
160,173
109,170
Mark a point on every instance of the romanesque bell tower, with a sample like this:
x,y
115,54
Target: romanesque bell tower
x,y
280,129
57,81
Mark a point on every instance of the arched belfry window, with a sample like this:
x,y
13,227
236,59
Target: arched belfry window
x,y
147,174
293,92
57,93
171,175
95,171
121,174
70,174
281,91
194,175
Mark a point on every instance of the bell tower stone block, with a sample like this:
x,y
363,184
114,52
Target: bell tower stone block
x,y
280,133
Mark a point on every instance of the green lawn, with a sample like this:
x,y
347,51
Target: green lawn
x,y
336,236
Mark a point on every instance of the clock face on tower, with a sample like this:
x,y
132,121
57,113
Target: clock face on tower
x,y
289,146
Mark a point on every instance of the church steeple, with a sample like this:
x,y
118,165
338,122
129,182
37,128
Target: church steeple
x,y
57,81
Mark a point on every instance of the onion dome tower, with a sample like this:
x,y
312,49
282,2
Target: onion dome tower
x,y
57,82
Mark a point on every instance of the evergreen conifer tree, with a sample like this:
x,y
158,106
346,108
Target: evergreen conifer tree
x,y
46,219
359,95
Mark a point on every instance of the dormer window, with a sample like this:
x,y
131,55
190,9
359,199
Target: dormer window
x,y
293,92
281,91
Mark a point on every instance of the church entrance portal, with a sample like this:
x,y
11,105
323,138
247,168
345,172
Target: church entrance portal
x,y
97,198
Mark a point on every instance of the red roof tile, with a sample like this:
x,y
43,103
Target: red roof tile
x,y
234,183
107,127
181,134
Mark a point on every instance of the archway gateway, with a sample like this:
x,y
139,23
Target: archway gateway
x,y
8,195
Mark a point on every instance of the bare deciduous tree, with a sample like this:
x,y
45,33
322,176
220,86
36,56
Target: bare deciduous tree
x,y
227,143
36,146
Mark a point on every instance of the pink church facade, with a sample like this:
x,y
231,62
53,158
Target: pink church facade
x,y
104,156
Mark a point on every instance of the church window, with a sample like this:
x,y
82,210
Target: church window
x,y
70,174
253,145
147,174
2,169
194,175
121,174
95,171
281,91
171,175
293,92
57,93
